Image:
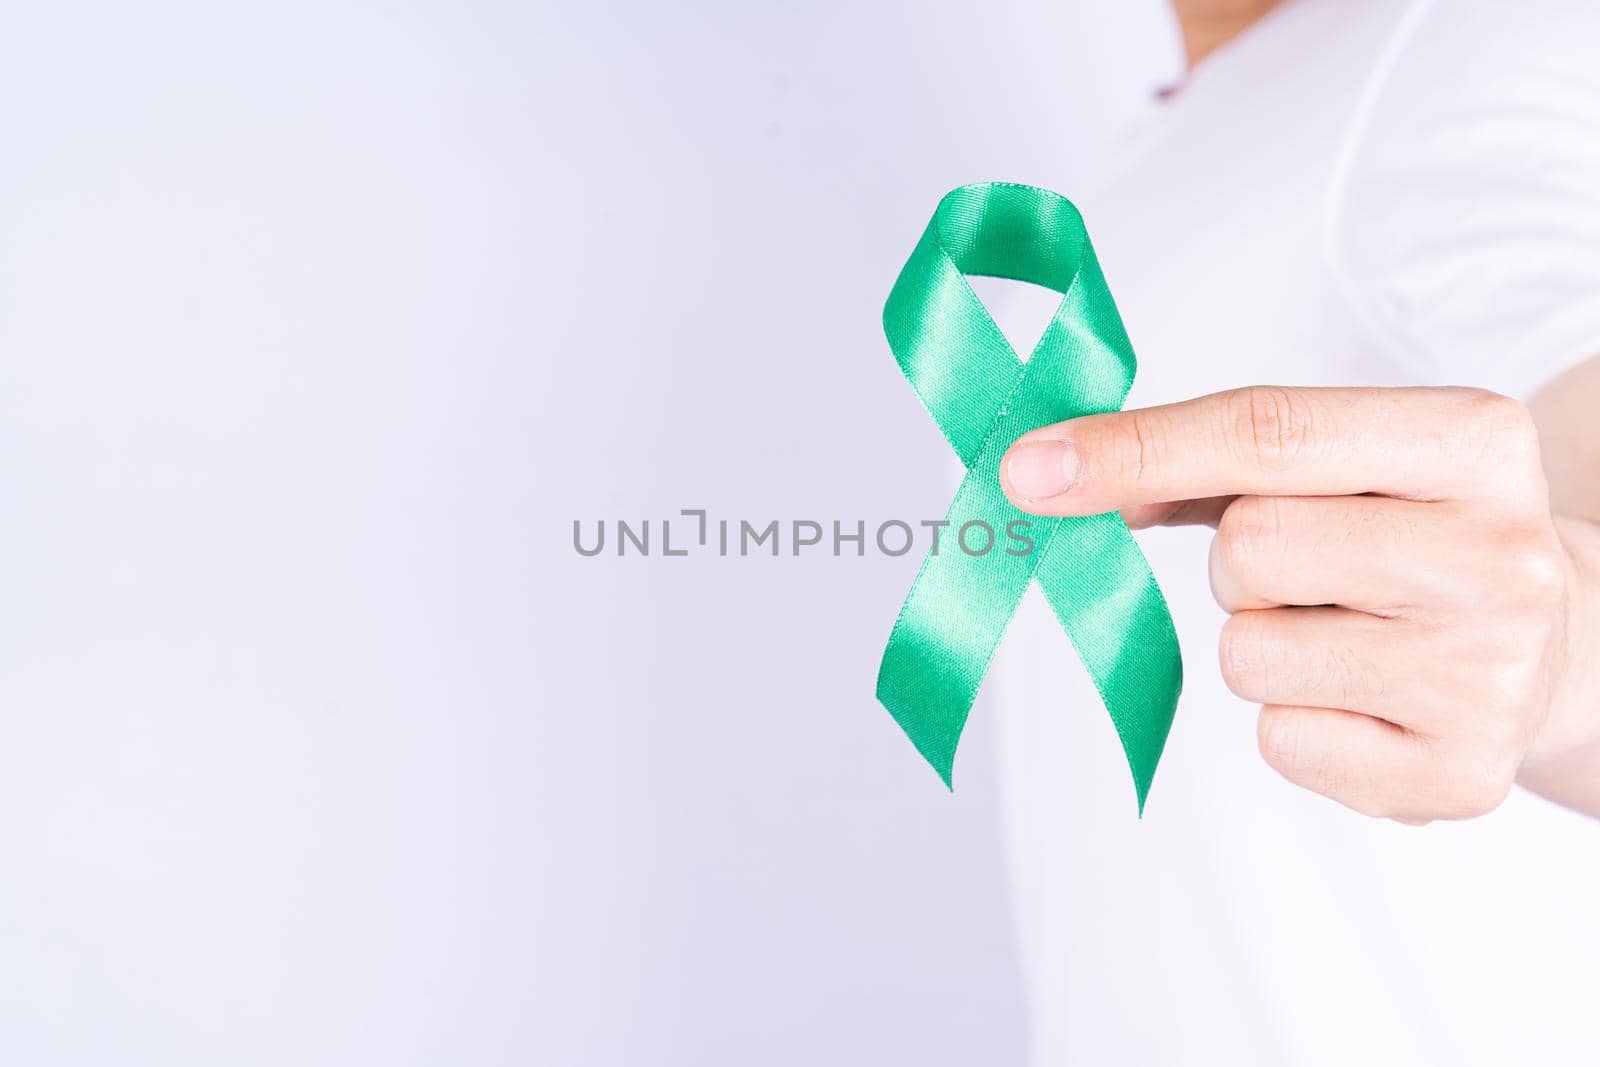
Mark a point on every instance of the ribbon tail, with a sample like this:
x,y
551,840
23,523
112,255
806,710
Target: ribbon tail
x,y
1100,587
955,616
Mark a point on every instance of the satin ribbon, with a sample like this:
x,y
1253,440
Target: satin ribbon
x,y
984,397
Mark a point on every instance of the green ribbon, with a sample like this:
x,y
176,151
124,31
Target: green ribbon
x,y
983,398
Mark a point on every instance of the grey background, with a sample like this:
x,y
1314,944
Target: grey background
x,y
319,323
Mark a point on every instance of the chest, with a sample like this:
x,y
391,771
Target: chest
x,y
1215,228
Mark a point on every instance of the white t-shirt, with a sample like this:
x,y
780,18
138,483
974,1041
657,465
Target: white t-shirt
x,y
1367,192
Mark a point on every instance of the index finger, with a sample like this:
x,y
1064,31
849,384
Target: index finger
x,y
1415,443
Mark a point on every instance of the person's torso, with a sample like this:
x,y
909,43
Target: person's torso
x,y
1244,920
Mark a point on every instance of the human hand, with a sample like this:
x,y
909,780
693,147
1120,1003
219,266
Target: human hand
x,y
1401,601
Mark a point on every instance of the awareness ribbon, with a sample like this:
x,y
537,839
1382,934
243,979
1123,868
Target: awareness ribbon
x,y
983,397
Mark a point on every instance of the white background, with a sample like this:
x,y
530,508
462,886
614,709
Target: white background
x,y
319,324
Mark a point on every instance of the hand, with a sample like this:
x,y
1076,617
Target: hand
x,y
1401,600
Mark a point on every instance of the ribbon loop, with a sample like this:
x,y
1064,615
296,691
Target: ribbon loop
x,y
983,397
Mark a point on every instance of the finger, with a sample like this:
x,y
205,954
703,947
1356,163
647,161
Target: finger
x,y
1378,768
1207,512
1325,658
1423,444
1370,553
1366,764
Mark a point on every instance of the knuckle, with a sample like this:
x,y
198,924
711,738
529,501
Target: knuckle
x,y
1504,731
1536,569
1250,528
1499,426
1477,782
1528,569
1507,684
1240,655
1503,413
1271,424
1283,738
1279,738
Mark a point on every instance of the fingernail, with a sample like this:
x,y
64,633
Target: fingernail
x,y
1042,469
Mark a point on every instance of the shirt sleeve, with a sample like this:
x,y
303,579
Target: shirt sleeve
x,y
1465,219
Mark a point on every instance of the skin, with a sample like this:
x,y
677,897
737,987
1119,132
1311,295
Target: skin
x,y
1520,667
1207,25
1412,576
1417,619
